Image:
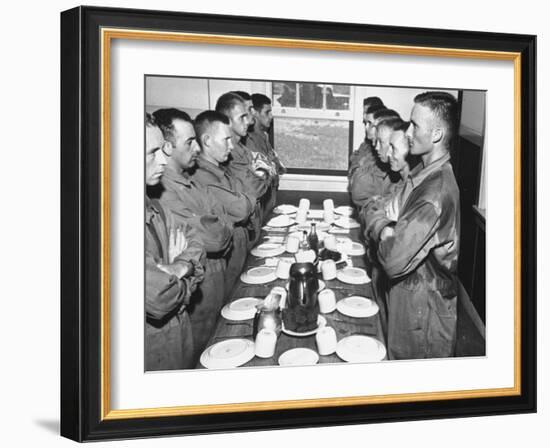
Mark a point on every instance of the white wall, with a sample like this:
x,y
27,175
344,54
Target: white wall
x,y
30,226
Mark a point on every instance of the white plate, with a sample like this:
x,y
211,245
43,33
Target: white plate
x,y
344,210
353,276
322,285
227,354
321,322
281,221
241,309
285,209
299,357
357,249
347,223
359,348
357,306
259,275
268,250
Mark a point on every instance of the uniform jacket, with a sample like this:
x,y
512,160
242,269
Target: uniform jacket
x,y
166,295
196,206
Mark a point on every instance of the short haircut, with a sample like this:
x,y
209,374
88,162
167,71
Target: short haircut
x,y
372,101
205,120
259,101
165,121
244,95
444,106
384,114
227,102
375,108
394,124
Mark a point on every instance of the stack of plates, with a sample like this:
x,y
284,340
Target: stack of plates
x,y
357,306
228,354
281,221
259,275
359,348
268,250
299,357
285,209
241,309
347,223
353,276
344,210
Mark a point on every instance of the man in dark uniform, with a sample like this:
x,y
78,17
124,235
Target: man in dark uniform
x,y
198,207
419,251
173,269
251,171
215,140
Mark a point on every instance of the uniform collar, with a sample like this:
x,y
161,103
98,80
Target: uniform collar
x,y
420,172
172,175
209,166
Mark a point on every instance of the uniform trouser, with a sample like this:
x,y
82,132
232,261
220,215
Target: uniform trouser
x,y
236,260
170,346
421,324
379,283
206,303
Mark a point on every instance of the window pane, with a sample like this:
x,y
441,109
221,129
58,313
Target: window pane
x,y
284,94
338,97
311,96
312,144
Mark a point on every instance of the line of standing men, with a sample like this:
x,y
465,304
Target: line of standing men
x,y
402,182
219,178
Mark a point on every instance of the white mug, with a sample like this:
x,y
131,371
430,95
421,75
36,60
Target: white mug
x,y
283,269
326,340
304,204
264,347
330,243
292,244
328,216
301,215
328,204
282,292
329,269
327,301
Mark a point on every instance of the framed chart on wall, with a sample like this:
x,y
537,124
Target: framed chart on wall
x,y
119,64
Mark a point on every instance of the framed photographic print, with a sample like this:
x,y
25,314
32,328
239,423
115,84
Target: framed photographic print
x,y
276,224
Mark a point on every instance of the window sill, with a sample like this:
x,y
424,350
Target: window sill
x,y
313,182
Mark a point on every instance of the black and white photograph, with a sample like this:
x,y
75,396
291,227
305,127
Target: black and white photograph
x,y
293,223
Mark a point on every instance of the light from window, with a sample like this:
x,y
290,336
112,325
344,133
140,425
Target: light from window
x,y
305,143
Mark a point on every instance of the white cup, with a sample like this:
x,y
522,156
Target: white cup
x,y
292,244
264,346
326,340
327,301
330,243
283,269
305,256
328,216
328,204
282,292
328,269
304,204
301,215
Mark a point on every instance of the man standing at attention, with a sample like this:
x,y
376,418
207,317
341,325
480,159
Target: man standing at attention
x,y
214,138
172,269
419,251
193,205
257,141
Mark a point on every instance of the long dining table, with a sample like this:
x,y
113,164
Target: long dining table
x,y
343,325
